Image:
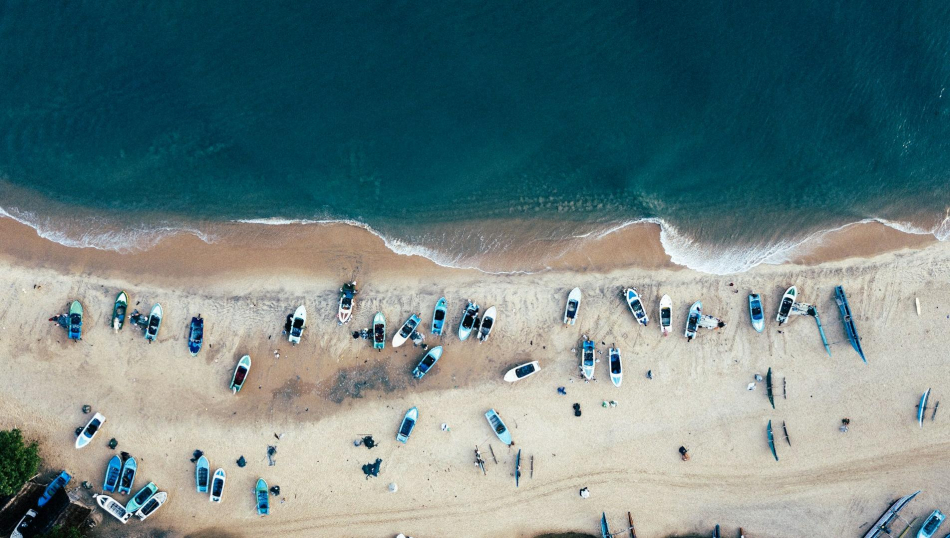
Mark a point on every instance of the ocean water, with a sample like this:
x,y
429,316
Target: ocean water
x,y
741,129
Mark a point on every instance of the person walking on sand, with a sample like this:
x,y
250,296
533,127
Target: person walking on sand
x,y
684,453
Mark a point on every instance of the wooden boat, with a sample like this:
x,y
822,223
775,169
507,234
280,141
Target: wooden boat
x,y
298,324
196,335
113,472
616,367
755,312
768,387
113,507
152,505
379,331
882,525
240,374
90,430
347,301
427,362
202,474
666,315
785,307
931,524
57,484
141,497
128,476
438,317
488,323
518,469
469,319
154,322
217,485
636,306
573,305
75,321
498,427
408,423
263,501
405,332
771,440
692,321
588,359
849,329
922,407
119,309
522,371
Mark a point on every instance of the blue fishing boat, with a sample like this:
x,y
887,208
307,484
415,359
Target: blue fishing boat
x,y
407,425
263,501
128,476
498,427
57,484
202,474
427,362
931,524
848,321
113,471
755,312
438,317
75,321
196,336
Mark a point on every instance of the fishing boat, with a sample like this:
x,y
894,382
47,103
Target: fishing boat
x,y
573,305
347,300
75,321
119,309
768,387
408,423
636,306
57,484
438,317
881,526
154,323
379,331
141,497
217,485
113,508
587,359
240,374
128,476
24,524
616,367
785,307
263,501
152,505
405,332
666,315
90,430
297,325
113,472
498,427
755,312
522,371
469,318
427,362
931,524
692,321
922,407
771,440
488,323
196,335
202,474
848,321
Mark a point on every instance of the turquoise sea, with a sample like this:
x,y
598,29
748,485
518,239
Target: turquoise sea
x,y
740,127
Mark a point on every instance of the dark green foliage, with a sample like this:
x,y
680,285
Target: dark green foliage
x,y
18,461
60,532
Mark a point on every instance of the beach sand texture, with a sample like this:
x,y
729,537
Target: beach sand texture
x,y
161,404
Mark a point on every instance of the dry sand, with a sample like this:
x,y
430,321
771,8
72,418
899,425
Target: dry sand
x,y
161,404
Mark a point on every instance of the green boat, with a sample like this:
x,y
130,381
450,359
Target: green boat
x,y
75,321
263,501
118,311
379,331
768,387
771,440
141,497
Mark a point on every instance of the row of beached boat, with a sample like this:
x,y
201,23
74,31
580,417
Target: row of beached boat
x,y
25,527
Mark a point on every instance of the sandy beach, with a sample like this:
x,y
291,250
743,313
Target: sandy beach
x,y
318,397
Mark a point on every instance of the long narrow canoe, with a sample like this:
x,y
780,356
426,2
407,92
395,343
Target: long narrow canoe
x,y
768,387
518,468
850,330
922,407
771,440
881,526
604,529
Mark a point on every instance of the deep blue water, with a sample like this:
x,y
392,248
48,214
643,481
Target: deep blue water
x,y
739,125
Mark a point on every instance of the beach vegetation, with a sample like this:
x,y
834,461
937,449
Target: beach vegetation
x,y
19,461
63,532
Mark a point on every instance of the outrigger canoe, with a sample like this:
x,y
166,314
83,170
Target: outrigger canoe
x,y
632,297
297,325
202,474
240,374
498,427
692,321
113,472
616,367
488,322
75,321
90,430
154,322
427,362
408,423
263,501
217,485
755,312
849,329
128,476
469,318
438,317
587,359
922,408
771,440
405,332
522,371
785,307
573,305
379,331
666,315
196,335
118,311
882,525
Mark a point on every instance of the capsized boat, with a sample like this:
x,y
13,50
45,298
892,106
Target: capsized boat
x,y
755,312
240,374
785,307
408,423
152,505
379,331
616,367
297,325
469,318
75,321
196,335
405,332
113,508
438,317
692,321
488,322
427,362
119,309
498,426
57,484
666,315
128,476
849,329
90,430
217,485
573,305
113,472
522,371
141,497
202,474
347,300
636,306
882,525
263,501
587,359
154,322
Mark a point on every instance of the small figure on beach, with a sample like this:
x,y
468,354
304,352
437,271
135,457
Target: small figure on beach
x,y
845,422
649,374
577,409
684,453
585,493
562,390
